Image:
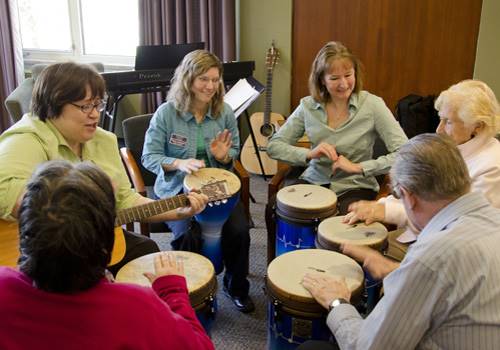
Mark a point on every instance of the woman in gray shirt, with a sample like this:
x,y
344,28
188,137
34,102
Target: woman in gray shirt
x,y
342,123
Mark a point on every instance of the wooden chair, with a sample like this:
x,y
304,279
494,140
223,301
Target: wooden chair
x,y
134,131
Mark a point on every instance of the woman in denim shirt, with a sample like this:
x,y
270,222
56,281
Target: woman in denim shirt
x,y
342,122
194,129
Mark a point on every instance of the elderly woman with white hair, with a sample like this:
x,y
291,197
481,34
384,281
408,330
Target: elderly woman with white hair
x,y
470,115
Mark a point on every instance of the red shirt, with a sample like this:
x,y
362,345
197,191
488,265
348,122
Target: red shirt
x,y
108,316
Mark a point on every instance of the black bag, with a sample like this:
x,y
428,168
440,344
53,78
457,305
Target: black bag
x,y
416,114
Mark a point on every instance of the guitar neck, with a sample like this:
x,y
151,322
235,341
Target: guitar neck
x,y
269,94
143,211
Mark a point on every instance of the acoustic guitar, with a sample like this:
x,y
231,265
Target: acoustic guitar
x,y
263,125
216,192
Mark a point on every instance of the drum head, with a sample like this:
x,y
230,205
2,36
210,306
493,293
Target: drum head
x,y
199,271
205,176
332,232
285,273
306,201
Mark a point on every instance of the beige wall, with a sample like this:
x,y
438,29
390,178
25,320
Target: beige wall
x,y
261,22
487,67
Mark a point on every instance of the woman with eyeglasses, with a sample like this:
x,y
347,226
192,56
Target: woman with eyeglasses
x,y
63,124
192,130
470,115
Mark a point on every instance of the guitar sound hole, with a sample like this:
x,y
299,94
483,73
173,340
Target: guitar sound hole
x,y
267,130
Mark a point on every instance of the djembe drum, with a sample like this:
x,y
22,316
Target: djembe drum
x,y
294,315
216,213
299,209
332,232
200,278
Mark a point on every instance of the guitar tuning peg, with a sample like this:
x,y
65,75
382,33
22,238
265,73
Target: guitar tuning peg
x,y
217,202
224,201
210,204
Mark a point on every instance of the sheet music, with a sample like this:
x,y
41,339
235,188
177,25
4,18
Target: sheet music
x,y
241,95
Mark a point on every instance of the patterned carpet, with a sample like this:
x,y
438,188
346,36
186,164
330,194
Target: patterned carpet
x,y
233,329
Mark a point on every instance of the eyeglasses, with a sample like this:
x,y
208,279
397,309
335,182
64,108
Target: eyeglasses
x,y
89,107
205,80
396,191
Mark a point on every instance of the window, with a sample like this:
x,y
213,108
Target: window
x,y
80,30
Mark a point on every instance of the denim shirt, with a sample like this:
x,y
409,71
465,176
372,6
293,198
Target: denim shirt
x,y
369,118
173,135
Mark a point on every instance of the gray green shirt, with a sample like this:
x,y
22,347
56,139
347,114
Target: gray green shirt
x,y
30,142
369,119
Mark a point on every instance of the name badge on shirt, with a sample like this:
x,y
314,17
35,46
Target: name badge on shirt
x,y
178,140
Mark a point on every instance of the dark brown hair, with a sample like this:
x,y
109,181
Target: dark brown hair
x,y
62,83
66,226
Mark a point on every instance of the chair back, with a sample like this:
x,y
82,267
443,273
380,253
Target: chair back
x,y
134,132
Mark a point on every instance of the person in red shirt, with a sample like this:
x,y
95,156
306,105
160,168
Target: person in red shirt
x,y
59,297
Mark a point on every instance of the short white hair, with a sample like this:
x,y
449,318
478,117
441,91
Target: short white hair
x,y
474,102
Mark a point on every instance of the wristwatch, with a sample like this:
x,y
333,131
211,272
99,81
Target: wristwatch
x,y
337,302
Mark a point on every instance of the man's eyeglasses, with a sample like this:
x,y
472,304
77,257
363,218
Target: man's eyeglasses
x,y
89,107
396,191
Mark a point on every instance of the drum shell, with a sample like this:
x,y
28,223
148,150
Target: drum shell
x,y
302,307
215,214
293,314
296,226
202,295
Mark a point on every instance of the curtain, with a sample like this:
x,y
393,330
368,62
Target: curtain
x,y
11,60
165,22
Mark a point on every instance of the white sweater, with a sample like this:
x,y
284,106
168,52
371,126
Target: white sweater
x,y
482,157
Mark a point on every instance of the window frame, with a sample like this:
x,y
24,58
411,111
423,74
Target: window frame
x,y
111,62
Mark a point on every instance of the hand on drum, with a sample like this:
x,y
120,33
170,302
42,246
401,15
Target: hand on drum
x,y
346,165
197,201
221,144
323,149
377,265
165,264
367,211
325,288
188,165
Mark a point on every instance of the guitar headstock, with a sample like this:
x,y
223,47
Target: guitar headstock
x,y
216,191
272,57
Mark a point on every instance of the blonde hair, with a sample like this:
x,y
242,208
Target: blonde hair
x,y
192,66
329,53
474,102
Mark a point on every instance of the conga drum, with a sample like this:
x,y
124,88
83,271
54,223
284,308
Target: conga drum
x,y
293,314
200,278
332,232
216,213
299,209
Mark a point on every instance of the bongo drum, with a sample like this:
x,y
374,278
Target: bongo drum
x,y
299,209
332,232
293,314
216,213
200,278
